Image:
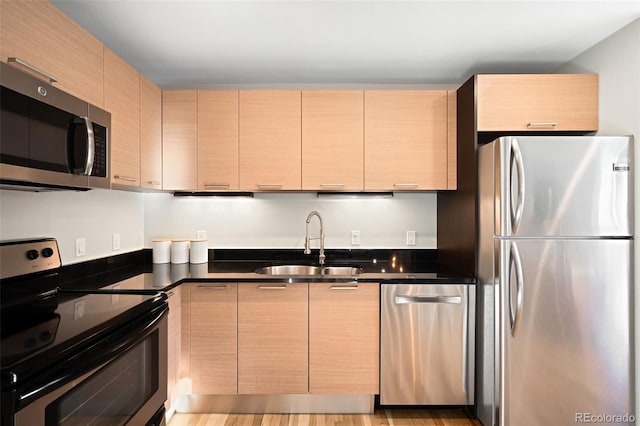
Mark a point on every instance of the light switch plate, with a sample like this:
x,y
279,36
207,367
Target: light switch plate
x,y
201,235
411,238
115,242
355,238
81,247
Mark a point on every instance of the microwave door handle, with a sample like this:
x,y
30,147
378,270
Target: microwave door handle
x,y
91,147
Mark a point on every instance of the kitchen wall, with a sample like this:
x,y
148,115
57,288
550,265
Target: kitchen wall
x,y
95,215
617,60
272,220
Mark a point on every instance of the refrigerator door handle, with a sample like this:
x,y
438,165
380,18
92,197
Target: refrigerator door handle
x,y
516,315
517,203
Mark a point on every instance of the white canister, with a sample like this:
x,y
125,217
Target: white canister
x,y
199,251
161,251
180,251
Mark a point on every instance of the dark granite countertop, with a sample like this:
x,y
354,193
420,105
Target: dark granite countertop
x,y
134,271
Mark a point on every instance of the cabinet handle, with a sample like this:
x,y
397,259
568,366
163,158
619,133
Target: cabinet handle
x,y
153,182
170,294
127,178
213,287
272,287
406,185
269,185
344,287
543,124
331,185
217,185
27,65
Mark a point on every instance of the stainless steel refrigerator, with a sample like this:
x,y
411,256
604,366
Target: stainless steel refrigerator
x,y
555,265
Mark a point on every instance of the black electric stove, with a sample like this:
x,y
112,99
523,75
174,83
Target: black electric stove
x,y
52,337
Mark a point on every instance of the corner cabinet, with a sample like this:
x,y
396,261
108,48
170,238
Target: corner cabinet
x,y
405,142
213,334
150,134
122,99
344,327
179,139
332,140
537,102
273,339
270,135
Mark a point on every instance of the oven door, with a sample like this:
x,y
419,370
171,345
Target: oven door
x,y
128,387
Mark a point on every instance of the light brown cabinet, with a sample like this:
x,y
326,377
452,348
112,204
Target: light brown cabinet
x,y
122,99
218,140
150,134
214,331
173,344
344,324
405,143
179,139
332,140
537,102
270,134
273,345
40,34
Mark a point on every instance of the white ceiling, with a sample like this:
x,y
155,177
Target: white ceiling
x,y
189,44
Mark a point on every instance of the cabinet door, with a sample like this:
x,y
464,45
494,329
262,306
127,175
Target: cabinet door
x,y
537,102
217,139
270,140
40,34
150,134
214,338
173,347
344,324
179,139
405,145
273,338
122,99
332,140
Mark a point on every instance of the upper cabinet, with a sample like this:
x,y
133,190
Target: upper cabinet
x,y
405,142
270,134
37,33
537,102
218,140
122,100
332,140
150,134
179,139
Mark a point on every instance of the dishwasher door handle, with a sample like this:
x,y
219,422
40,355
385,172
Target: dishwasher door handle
x,y
402,300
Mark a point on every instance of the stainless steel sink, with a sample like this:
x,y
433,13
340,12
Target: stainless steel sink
x,y
309,270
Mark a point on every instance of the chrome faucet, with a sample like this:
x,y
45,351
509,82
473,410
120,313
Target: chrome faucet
x,y
307,250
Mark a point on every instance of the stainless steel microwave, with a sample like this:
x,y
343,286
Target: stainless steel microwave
x,y
50,139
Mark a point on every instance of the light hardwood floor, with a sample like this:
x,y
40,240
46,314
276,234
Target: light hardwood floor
x,y
431,417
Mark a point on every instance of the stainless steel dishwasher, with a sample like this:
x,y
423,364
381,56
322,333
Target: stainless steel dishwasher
x,y
427,341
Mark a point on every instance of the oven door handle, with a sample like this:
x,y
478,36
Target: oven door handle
x,y
92,356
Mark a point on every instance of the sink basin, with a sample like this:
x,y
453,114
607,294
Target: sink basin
x,y
308,270
289,270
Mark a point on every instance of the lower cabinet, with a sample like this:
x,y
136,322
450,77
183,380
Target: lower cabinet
x,y
273,338
214,330
281,338
344,324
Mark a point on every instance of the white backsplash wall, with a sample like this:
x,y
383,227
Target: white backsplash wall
x,y
271,220
95,215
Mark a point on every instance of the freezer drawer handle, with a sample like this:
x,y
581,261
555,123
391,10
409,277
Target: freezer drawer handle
x,y
401,300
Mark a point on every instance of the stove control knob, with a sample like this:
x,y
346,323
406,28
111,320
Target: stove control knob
x,y
32,254
47,252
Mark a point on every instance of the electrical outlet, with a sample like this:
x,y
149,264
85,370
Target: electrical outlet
x,y
201,235
78,309
81,246
115,242
355,238
411,238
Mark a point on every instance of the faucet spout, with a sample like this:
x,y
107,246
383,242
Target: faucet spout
x,y
307,240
